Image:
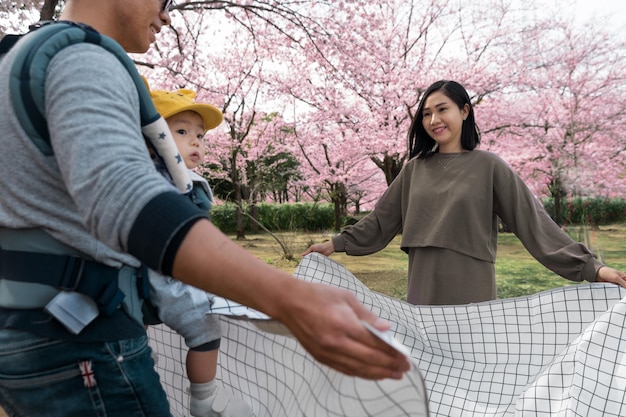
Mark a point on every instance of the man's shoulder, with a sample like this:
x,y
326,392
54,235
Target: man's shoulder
x,y
85,56
93,71
50,40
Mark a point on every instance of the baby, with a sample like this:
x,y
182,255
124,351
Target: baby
x,y
182,307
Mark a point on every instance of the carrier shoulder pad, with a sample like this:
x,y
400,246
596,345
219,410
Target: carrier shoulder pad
x,y
28,75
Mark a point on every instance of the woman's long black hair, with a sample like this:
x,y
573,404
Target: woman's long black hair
x,y
420,143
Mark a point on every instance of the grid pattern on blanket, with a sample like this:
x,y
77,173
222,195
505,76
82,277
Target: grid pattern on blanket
x,y
559,352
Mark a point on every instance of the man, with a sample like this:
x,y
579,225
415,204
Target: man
x,y
98,199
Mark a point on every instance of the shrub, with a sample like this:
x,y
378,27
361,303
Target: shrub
x,y
276,217
224,216
593,211
315,217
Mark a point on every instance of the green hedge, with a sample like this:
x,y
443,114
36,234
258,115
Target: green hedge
x,y
318,217
275,217
593,211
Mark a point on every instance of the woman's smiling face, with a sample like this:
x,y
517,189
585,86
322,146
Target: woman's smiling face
x,y
443,121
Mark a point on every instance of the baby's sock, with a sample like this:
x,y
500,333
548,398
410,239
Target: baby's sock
x,y
212,400
200,402
202,390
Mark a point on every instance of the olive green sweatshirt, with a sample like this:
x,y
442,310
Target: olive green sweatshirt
x,y
453,201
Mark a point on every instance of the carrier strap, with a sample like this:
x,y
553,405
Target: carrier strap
x,y
63,272
27,88
28,74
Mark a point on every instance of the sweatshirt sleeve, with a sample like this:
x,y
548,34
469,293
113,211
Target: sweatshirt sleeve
x,y
523,213
374,231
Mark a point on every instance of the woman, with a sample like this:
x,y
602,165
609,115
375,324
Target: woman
x,y
446,202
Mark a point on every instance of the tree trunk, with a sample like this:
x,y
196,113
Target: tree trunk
x,y
240,229
339,198
47,10
254,214
558,193
390,165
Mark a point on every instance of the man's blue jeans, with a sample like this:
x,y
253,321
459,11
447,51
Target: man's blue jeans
x,y
52,378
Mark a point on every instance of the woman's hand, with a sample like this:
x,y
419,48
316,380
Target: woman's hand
x,y
606,274
325,248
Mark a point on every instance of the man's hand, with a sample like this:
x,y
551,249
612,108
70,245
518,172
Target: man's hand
x,y
327,322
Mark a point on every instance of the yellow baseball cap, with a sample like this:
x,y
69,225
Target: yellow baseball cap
x,y
169,103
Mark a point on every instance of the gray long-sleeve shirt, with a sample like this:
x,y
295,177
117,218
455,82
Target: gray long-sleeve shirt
x,y
457,209
100,190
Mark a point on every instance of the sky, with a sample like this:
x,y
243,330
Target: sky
x,y
614,9
610,13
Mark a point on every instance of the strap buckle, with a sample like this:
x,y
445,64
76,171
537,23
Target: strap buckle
x,y
72,273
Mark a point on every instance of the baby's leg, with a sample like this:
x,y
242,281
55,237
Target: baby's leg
x,y
201,365
208,397
187,310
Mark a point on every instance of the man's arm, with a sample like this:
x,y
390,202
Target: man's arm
x,y
325,319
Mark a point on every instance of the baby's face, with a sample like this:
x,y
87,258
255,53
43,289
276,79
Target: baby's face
x,y
188,130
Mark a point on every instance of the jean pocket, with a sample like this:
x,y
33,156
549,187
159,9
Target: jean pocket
x,y
23,354
17,341
55,392
41,378
128,348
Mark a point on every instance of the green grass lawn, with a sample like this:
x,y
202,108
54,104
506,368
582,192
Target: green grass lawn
x,y
517,272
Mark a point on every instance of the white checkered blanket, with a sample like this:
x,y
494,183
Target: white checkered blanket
x,y
557,353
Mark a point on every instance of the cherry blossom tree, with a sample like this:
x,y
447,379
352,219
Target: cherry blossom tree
x,y
381,56
336,84
17,15
571,110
